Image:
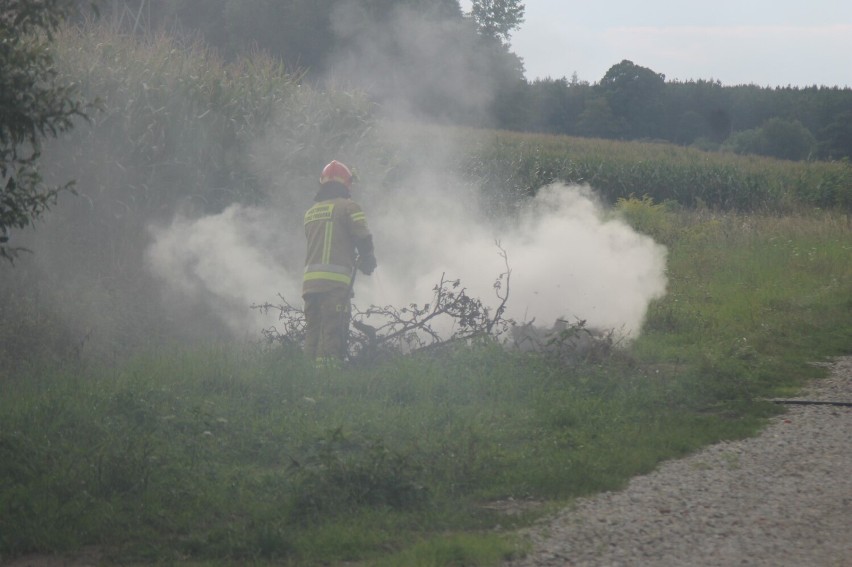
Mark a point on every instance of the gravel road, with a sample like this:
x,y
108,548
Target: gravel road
x,y
783,498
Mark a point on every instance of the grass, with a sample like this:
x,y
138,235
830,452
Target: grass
x,y
245,454
764,287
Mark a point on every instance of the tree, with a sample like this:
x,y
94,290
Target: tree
x,y
778,138
555,105
598,121
836,137
787,139
34,104
744,142
635,95
691,126
497,18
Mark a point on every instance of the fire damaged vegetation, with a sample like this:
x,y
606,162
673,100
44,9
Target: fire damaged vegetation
x,y
380,332
453,317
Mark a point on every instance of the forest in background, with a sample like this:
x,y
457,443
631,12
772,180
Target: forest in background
x,y
360,44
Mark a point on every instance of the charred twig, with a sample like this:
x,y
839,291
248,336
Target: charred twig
x,y
499,286
291,322
451,317
565,342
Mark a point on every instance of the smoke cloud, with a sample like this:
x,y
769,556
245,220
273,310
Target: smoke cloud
x,y
569,258
223,261
414,62
152,254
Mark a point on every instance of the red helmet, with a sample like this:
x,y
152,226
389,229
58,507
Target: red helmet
x,y
336,171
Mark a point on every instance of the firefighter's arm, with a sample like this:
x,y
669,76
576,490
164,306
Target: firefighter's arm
x,y
363,239
366,256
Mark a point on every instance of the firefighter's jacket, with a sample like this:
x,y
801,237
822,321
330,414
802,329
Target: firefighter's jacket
x,y
336,230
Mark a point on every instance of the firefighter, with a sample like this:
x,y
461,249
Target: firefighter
x,y
337,239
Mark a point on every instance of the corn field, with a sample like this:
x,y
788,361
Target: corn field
x,y
519,164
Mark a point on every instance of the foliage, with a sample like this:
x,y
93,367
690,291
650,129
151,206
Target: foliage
x,y
497,18
634,103
648,217
35,102
426,56
168,138
599,121
787,139
779,138
635,95
835,138
314,36
554,103
340,476
797,278
240,453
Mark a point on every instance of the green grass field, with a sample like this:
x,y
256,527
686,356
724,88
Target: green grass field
x,y
243,453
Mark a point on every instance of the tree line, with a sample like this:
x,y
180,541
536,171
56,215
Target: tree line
x,y
629,102
635,103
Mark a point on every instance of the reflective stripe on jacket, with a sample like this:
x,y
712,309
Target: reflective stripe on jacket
x,y
333,228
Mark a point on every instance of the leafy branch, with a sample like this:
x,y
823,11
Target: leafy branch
x,y
35,103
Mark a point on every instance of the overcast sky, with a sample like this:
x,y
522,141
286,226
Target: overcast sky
x,y
762,42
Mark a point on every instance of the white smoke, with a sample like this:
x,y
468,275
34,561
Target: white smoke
x,y
569,259
225,261
407,57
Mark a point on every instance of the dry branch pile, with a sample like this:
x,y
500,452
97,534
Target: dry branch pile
x,y
452,317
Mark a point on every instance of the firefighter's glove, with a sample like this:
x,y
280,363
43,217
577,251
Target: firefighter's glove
x,y
367,264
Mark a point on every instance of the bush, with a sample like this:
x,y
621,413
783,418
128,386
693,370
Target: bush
x,y
778,138
648,217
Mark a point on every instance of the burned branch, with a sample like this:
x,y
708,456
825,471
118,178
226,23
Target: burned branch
x,y
290,330
452,316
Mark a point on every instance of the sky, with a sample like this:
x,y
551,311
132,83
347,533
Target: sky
x,y
762,42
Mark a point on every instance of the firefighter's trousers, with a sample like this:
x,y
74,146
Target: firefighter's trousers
x,y
327,317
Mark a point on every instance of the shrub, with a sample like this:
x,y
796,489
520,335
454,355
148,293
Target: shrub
x,y
647,217
778,138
